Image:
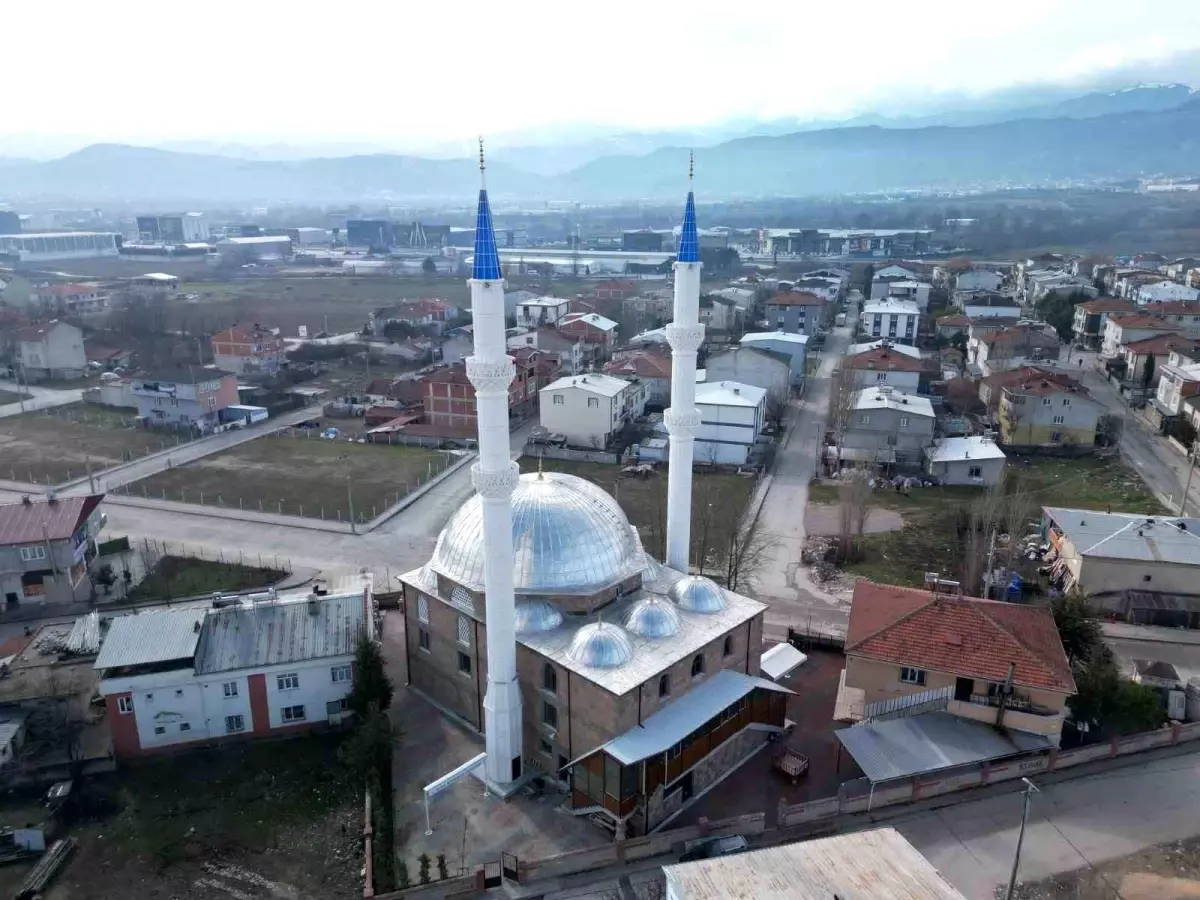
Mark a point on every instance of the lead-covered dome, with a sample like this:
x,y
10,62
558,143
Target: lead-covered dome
x,y
536,615
652,617
602,645
696,593
569,537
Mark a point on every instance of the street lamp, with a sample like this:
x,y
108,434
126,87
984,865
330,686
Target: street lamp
x,y
1030,790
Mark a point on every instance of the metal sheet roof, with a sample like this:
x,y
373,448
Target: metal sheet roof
x,y
10,726
268,634
1145,538
958,449
779,660
669,726
930,742
150,637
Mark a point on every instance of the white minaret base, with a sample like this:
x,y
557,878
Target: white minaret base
x,y
491,371
685,335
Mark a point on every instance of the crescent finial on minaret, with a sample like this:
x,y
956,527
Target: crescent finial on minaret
x,y
691,165
481,165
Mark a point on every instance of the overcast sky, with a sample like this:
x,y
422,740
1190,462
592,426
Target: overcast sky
x,y
410,73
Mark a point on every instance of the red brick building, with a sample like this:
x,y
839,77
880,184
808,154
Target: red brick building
x,y
614,290
449,396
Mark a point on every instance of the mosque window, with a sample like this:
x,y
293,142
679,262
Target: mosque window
x,y
549,678
697,664
423,609
464,631
664,685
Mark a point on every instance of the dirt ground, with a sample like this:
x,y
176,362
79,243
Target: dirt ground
x,y
7,397
303,476
822,518
1165,872
717,500
56,444
274,821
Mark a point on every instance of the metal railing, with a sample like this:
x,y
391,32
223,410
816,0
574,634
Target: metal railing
x,y
908,705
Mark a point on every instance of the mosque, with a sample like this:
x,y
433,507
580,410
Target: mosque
x,y
541,621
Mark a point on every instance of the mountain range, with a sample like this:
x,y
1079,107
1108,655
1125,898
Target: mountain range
x,y
1125,134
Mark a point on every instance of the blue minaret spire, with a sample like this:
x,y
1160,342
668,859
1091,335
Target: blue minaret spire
x,y
487,259
689,240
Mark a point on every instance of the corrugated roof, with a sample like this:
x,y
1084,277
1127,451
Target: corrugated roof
x,y
901,748
26,523
1132,536
10,726
672,724
779,660
878,864
955,449
150,637
268,634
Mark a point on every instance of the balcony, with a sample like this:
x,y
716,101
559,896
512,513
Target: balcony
x,y
1019,715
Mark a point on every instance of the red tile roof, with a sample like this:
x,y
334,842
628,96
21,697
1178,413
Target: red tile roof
x,y
795,298
1141,320
1176,307
957,320
1107,305
885,359
455,374
1028,373
27,523
1021,331
643,365
1162,344
964,636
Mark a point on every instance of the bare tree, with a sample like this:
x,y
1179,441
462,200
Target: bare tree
x,y
842,391
748,552
854,505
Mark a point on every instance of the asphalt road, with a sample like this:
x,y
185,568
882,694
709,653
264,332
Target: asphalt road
x,y
39,398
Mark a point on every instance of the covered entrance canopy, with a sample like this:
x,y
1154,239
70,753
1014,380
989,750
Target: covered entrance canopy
x,y
931,742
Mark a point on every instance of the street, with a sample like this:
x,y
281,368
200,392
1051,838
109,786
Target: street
x,y
39,398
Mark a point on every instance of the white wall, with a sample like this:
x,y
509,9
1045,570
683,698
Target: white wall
x,y
906,382
727,432
317,688
575,418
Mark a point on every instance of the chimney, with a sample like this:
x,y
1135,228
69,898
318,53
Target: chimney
x,y
314,604
25,500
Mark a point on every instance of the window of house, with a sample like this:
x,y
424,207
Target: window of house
x,y
558,399
593,403
891,440
179,692
464,631
1066,401
549,678
159,729
549,714
341,674
864,419
697,664
1059,420
464,663
288,682
125,705
423,609
293,713
727,650
546,748
1046,401
1145,578
185,726
149,698
909,675
1056,437
234,724
29,554
664,685
423,639
881,376
975,472
904,421
230,688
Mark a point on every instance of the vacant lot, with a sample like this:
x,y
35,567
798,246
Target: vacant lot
x,y
1165,872
275,820
56,445
717,503
300,476
183,576
929,540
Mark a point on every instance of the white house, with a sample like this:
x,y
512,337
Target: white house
x,y
884,365
893,272
590,408
965,460
977,280
794,345
539,311
265,666
895,320
1162,292
731,418
52,350
916,291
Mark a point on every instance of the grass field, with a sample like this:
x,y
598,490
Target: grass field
x,y
7,397
720,498
253,820
182,576
300,476
57,444
929,540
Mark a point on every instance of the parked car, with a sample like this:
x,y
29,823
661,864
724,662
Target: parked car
x,y
722,846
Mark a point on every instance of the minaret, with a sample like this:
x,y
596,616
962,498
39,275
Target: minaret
x,y
684,334
491,370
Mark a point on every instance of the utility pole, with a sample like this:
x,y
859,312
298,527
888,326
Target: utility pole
x,y
350,500
991,560
1030,790
1188,485
87,461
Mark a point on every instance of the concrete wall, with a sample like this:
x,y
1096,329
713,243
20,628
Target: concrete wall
x,y
906,382
747,366
958,471
884,423
1032,423
1097,575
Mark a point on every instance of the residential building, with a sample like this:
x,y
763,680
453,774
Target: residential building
x,y
427,313
595,330
980,306
573,355
153,285
1041,412
794,346
449,398
828,289
614,290
591,409
732,416
991,387
1123,329
914,291
46,547
970,280
756,366
35,248
249,349
183,228
1091,319
542,311
1178,384
52,350
1184,315
1177,270
895,320
718,313
650,368
741,296
193,397
893,271
66,299
1144,358
1151,293
1085,266
883,365
820,869
972,460
951,325
888,426
796,312
904,642
1012,348
1047,284
266,666
648,306
107,358
1098,552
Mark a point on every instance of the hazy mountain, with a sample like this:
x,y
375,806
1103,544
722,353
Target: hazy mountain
x,y
557,159
119,172
13,161
855,160
273,151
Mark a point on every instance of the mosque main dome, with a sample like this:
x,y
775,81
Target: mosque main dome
x,y
569,537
